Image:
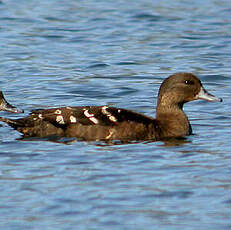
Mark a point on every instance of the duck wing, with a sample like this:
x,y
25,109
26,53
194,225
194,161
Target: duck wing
x,y
89,115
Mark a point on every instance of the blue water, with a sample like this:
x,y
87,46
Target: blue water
x,y
117,53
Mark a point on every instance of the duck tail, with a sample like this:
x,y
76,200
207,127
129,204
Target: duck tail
x,y
13,123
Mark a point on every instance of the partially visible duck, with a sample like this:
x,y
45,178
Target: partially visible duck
x,y
110,123
5,106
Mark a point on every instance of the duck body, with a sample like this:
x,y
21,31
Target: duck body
x,y
87,123
110,123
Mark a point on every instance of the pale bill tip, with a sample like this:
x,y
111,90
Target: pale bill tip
x,y
204,95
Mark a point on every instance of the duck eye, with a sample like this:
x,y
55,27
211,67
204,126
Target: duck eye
x,y
189,82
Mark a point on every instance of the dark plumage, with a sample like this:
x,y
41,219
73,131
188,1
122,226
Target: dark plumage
x,y
110,123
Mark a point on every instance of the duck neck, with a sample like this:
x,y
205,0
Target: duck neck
x,y
173,120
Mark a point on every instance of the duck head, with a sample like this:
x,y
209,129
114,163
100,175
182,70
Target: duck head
x,y
180,88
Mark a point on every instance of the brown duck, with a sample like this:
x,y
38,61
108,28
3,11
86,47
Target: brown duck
x,y
110,123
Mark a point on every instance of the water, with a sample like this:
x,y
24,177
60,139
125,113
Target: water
x,y
89,52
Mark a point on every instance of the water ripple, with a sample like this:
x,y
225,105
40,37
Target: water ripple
x,y
114,53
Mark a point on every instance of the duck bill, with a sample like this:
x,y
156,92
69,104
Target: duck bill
x,y
5,106
205,95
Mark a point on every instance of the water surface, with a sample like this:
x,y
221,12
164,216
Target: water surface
x,y
56,53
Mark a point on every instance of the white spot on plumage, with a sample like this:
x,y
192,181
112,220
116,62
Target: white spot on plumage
x,y
60,119
108,114
90,116
94,120
73,119
109,135
37,116
112,118
58,111
104,110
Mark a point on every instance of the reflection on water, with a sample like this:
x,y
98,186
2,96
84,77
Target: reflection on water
x,y
114,53
70,140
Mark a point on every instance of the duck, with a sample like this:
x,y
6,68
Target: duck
x,y
6,106
105,123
